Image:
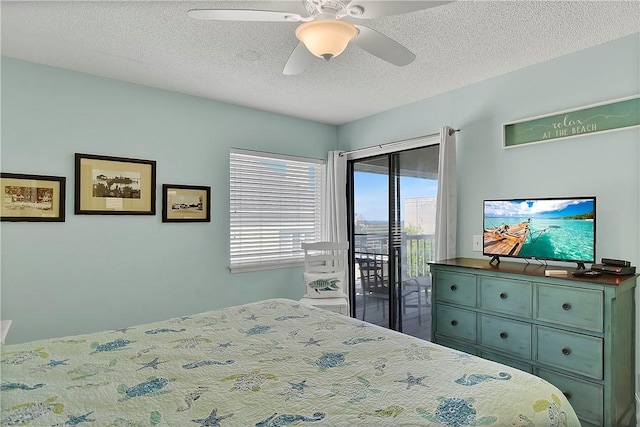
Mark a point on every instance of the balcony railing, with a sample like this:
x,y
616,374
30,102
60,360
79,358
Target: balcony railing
x,y
417,251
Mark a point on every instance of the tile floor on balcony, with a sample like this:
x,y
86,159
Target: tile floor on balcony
x,y
414,322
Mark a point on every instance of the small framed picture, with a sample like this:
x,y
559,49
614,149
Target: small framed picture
x,y
186,203
114,185
32,197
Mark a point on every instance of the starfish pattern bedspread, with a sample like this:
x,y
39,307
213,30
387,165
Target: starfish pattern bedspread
x,y
270,363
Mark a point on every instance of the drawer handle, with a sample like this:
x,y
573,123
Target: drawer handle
x,y
503,296
566,351
454,322
503,335
566,306
453,288
567,394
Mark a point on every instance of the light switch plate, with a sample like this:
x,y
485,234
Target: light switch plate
x,y
477,243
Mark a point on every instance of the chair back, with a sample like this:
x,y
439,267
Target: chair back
x,y
373,279
325,257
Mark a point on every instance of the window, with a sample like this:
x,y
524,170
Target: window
x,y
277,203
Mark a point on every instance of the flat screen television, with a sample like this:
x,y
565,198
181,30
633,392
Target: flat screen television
x,y
554,229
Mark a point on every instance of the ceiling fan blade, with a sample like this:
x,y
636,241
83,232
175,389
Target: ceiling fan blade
x,y
364,9
382,46
244,15
298,61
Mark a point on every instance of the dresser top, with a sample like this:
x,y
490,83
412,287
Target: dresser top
x,y
532,269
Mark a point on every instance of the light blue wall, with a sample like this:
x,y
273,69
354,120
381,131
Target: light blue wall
x,y
605,165
94,273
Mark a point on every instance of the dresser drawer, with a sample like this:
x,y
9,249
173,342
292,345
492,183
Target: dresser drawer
x,y
581,308
577,353
457,288
506,296
586,398
455,322
509,336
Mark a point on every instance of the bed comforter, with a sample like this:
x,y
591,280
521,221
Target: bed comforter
x,y
271,363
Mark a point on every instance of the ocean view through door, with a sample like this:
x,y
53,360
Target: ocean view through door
x,y
392,212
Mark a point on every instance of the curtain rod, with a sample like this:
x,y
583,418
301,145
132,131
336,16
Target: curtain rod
x,y
346,153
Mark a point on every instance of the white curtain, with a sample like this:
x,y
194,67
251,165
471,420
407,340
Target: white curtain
x,y
447,206
336,202
335,229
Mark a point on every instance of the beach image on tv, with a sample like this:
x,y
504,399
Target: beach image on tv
x,y
546,229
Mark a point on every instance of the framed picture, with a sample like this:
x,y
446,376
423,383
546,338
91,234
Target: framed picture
x,y
115,185
32,197
186,203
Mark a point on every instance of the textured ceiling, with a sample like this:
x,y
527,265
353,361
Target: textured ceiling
x,y
155,43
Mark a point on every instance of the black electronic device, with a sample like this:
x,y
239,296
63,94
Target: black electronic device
x,y
614,269
556,229
582,272
616,262
614,266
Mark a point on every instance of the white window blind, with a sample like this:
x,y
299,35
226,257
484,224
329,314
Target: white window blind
x,y
277,203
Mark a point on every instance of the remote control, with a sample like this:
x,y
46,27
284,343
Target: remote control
x,y
587,273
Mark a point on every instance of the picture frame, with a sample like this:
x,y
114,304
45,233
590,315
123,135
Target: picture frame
x,y
186,203
107,185
32,198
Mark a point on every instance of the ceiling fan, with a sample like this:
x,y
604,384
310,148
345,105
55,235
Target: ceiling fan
x,y
327,29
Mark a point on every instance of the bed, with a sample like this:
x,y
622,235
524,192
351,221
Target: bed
x,y
271,363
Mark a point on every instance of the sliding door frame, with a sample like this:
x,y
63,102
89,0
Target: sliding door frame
x,y
392,151
393,235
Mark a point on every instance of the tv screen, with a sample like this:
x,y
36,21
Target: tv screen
x,y
557,229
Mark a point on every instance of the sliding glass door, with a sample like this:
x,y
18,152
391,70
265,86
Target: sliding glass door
x,y
392,223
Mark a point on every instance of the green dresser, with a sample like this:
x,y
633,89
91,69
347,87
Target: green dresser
x,y
577,333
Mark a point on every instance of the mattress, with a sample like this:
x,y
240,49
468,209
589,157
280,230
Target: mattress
x,y
271,363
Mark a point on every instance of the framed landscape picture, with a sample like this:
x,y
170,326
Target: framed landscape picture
x,y
114,185
186,203
32,197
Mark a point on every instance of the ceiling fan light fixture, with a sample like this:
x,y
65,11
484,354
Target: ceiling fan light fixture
x,y
326,38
